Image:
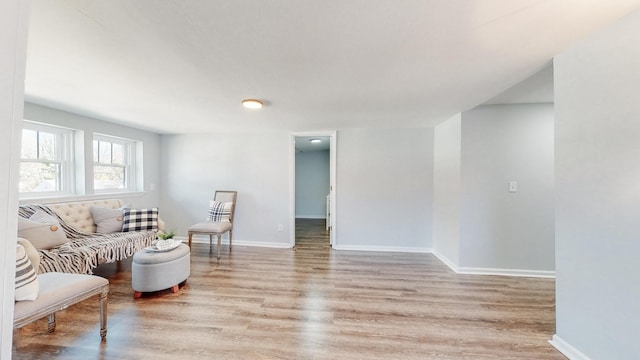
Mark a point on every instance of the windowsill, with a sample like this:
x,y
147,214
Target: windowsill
x,y
71,198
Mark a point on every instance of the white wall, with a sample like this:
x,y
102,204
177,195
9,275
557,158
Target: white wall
x,y
478,225
446,189
384,189
151,144
597,87
384,185
254,164
312,184
13,44
502,229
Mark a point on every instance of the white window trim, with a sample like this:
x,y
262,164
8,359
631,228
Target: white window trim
x,y
64,157
130,163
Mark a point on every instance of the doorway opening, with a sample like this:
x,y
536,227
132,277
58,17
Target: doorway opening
x,y
312,188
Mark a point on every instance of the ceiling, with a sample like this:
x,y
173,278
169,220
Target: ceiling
x,y
538,88
183,66
304,144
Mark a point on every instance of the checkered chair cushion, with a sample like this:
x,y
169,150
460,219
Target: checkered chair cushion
x,y
219,211
139,219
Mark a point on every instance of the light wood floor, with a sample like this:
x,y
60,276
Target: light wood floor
x,y
308,303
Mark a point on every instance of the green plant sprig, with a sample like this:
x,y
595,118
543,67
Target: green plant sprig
x,y
166,235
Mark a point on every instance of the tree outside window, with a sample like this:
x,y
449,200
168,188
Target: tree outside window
x,y
45,160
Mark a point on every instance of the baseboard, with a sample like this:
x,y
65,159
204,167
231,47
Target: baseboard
x,y
493,271
446,261
382,248
567,349
205,240
507,272
262,244
323,217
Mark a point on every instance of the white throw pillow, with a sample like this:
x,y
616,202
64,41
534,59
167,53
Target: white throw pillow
x,y
107,220
27,285
32,253
42,230
43,217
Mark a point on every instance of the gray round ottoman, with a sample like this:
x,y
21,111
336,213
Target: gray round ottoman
x,y
153,271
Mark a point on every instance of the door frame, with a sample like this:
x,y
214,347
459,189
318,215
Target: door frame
x,y
332,182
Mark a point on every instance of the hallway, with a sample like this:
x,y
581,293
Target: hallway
x,y
311,234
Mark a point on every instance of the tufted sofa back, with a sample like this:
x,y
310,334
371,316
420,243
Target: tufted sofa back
x,y
78,214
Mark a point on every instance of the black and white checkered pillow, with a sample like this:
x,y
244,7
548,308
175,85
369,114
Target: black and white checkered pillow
x,y
219,211
139,219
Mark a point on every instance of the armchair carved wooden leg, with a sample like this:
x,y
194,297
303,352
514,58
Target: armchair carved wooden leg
x,y
219,243
103,313
51,319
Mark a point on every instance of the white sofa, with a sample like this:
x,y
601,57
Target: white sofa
x,y
78,214
86,249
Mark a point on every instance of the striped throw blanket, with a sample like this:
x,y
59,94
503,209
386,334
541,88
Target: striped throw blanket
x,y
85,251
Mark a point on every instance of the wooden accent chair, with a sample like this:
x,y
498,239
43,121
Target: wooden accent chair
x,y
218,223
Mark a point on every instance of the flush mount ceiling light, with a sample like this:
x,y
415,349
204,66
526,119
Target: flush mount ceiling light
x,y
315,141
252,104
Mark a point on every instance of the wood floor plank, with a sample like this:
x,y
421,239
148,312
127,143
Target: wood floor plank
x,y
308,303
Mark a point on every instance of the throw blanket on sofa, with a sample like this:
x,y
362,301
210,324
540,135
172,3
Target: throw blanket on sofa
x,y
85,251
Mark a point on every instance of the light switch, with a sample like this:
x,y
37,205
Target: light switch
x,y
513,186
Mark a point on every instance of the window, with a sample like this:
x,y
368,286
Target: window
x,y
46,162
113,164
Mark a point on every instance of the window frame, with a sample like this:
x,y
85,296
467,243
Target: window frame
x,y
129,158
64,157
